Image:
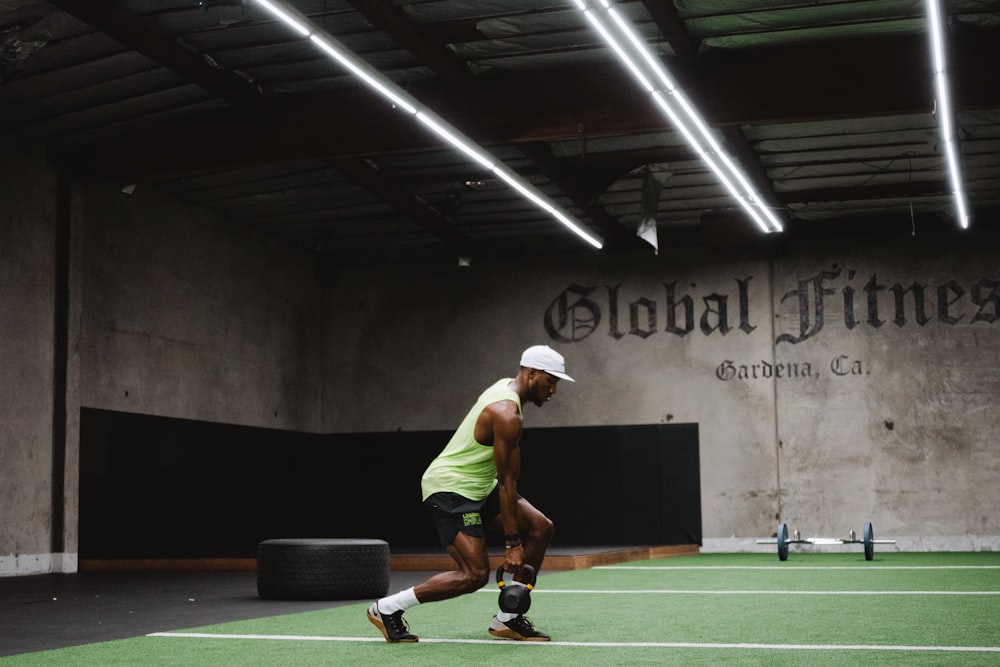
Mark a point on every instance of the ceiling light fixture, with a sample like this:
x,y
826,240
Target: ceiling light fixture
x,y
653,76
945,112
403,101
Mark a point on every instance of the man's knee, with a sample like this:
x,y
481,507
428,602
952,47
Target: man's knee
x,y
474,578
540,529
547,528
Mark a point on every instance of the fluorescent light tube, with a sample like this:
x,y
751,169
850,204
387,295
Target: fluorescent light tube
x,y
949,135
402,100
456,139
366,74
652,74
285,17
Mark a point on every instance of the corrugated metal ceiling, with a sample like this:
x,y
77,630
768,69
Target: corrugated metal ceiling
x,y
828,105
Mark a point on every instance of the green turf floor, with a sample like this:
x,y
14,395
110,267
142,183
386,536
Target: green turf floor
x,y
714,609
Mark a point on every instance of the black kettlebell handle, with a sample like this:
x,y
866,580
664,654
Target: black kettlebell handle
x,y
526,569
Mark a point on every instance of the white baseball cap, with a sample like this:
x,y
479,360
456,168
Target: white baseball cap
x,y
544,358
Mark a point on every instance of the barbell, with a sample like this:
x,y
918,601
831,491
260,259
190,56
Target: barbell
x,y
782,540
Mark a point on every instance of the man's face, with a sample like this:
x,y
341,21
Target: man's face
x,y
543,386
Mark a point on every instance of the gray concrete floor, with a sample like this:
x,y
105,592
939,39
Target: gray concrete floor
x,y
43,612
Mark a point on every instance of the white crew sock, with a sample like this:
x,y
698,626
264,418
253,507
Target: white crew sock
x,y
401,601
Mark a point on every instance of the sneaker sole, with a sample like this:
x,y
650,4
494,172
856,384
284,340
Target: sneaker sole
x,y
381,627
510,634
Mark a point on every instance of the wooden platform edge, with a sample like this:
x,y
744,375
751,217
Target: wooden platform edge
x,y
440,562
168,565
402,562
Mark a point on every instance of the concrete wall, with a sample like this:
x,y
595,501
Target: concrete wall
x,y
171,311
27,286
812,412
825,417
185,316
899,421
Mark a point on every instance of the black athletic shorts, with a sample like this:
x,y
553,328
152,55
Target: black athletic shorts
x,y
453,513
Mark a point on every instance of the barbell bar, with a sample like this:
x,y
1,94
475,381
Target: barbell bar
x,y
782,540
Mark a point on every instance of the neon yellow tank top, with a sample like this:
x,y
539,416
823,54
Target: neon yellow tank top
x,y
464,466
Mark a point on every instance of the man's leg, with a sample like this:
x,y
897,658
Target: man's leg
x,y
473,572
536,531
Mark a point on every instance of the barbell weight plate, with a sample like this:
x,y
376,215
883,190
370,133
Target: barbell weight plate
x,y
782,541
869,541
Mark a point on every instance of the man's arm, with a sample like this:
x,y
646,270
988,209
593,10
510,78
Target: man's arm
x,y
507,426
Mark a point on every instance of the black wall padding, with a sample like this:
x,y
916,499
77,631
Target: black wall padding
x,y
155,487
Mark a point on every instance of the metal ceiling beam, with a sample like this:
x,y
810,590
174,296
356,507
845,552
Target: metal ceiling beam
x,y
845,79
672,27
669,22
817,81
394,22
132,32
763,87
356,123
616,236
901,191
228,85
365,174
596,172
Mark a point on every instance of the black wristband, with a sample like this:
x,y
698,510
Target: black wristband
x,y
512,538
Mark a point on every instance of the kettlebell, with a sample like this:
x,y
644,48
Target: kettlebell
x,y
516,599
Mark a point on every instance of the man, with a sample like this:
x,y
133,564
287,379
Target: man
x,y
472,486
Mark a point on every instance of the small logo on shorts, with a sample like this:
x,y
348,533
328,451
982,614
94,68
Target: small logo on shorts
x,y
472,519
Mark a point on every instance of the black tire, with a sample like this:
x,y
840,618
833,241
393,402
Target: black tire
x,y
322,569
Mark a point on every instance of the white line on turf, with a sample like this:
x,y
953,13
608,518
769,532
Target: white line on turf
x,y
679,591
795,568
289,638
425,640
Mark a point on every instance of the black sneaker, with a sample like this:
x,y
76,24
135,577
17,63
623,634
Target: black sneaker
x,y
519,628
393,627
